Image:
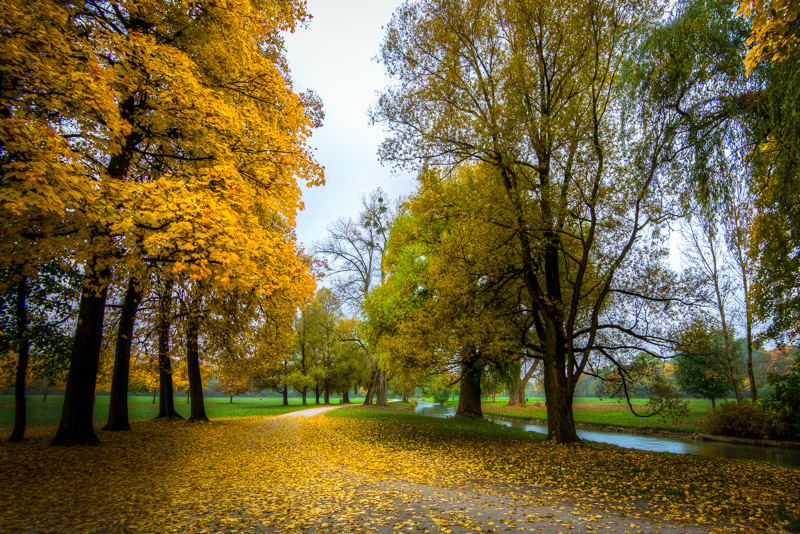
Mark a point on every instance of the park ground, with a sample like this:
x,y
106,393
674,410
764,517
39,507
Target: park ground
x,y
367,469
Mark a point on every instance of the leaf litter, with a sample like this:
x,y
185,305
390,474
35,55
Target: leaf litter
x,y
362,474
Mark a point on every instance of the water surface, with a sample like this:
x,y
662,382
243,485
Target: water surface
x,y
714,449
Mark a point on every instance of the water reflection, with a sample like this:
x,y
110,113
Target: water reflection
x,y
713,449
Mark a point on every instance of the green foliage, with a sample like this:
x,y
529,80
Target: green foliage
x,y
51,304
700,363
784,401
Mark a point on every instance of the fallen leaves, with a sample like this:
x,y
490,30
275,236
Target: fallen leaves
x,y
367,470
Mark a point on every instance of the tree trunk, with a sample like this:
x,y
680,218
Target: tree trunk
x,y
166,398
560,423
23,342
118,403
327,392
346,396
382,388
371,389
723,320
231,401
198,409
303,393
285,395
405,397
76,427
155,392
469,398
516,385
44,400
316,394
713,404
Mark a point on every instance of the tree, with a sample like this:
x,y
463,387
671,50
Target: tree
x,y
191,144
448,305
701,363
704,253
355,250
533,90
35,314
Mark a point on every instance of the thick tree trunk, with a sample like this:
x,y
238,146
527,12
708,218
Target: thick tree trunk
x,y
286,395
382,388
198,409
23,343
166,398
231,401
118,403
469,397
303,393
316,393
76,427
405,397
560,422
371,389
346,396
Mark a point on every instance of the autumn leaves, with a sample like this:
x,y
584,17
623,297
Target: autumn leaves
x,y
155,146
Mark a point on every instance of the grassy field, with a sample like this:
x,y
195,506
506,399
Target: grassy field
x,y
141,407
611,412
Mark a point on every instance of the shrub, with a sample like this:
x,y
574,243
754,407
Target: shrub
x,y
737,419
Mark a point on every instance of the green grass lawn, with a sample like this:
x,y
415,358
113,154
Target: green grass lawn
x,y
592,410
141,407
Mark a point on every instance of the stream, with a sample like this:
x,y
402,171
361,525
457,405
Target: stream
x,y
714,449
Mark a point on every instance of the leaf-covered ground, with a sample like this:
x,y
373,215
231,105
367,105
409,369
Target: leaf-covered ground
x,y
370,470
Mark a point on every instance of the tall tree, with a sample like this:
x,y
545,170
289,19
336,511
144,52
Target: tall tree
x,y
201,141
355,250
533,90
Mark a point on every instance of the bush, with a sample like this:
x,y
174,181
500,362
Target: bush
x,y
737,419
748,420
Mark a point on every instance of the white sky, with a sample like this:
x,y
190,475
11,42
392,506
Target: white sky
x,y
334,56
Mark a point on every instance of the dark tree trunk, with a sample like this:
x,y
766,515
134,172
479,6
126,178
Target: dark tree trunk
x,y
713,404
286,395
166,398
469,398
516,385
346,397
155,392
23,342
560,423
303,393
198,409
405,397
118,403
76,427
327,392
44,400
381,396
316,393
231,401
371,389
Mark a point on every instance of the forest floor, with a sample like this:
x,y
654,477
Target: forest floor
x,y
368,469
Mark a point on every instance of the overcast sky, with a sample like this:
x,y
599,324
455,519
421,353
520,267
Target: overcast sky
x,y
335,57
